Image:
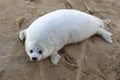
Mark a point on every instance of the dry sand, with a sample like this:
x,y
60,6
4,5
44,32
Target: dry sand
x,y
93,58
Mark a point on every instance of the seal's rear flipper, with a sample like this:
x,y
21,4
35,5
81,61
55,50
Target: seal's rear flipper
x,y
106,23
107,36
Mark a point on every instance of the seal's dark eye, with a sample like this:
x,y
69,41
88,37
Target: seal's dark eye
x,y
40,52
31,51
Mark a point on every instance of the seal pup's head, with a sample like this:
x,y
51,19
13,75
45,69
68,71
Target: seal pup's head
x,y
34,50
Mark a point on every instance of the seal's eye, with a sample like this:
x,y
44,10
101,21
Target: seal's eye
x,y
31,51
40,52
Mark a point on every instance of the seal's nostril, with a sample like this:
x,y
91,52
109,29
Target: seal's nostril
x,y
34,58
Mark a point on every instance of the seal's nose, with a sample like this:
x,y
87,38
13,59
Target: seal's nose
x,y
34,58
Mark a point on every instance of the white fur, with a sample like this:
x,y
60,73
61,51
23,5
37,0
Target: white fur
x,y
54,30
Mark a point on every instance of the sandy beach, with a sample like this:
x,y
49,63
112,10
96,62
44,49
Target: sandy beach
x,y
91,59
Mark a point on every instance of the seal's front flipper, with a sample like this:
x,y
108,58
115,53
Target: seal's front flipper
x,y
55,58
22,36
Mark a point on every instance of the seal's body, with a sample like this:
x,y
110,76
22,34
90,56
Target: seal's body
x,y
49,33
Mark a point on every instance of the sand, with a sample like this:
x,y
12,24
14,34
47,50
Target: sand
x,y
91,59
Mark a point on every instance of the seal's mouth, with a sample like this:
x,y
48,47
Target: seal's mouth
x,y
34,59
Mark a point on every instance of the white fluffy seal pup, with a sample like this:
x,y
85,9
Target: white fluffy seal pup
x,y
49,33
